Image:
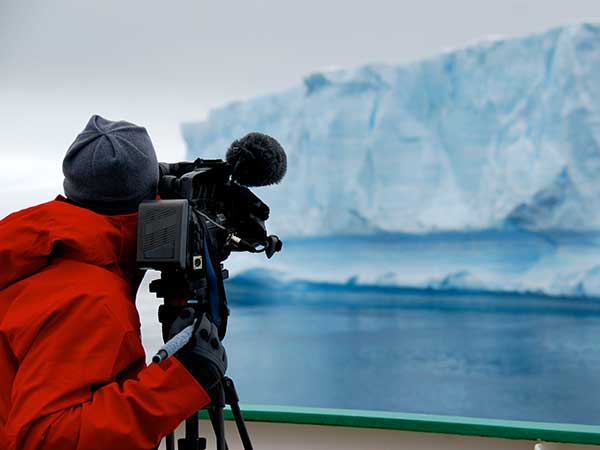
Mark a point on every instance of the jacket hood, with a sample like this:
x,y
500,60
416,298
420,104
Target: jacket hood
x,y
30,239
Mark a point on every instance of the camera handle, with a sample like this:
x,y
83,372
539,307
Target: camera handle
x,y
192,441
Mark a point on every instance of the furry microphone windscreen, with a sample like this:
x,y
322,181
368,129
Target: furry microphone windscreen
x,y
257,160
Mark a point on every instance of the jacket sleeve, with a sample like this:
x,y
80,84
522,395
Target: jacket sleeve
x,y
66,394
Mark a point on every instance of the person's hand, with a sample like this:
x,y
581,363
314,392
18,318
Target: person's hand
x,y
204,356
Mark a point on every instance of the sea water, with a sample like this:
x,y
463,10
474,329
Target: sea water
x,y
381,347
501,357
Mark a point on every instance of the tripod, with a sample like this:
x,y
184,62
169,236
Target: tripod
x,y
192,441
171,287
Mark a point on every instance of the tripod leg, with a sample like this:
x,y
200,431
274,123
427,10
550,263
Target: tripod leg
x,y
192,429
192,441
218,424
170,441
232,399
241,426
215,412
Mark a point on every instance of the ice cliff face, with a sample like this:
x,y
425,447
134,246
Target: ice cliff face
x,y
504,133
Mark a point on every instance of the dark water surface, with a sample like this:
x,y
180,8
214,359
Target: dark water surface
x,y
510,357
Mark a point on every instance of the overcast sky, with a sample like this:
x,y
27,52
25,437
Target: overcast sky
x,y
157,63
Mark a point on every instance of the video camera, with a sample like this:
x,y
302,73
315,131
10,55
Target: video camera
x,y
205,212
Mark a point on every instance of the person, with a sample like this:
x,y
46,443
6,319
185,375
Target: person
x,y
72,366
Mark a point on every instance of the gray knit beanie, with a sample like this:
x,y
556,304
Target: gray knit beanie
x,y
111,167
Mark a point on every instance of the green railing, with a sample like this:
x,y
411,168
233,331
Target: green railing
x,y
508,429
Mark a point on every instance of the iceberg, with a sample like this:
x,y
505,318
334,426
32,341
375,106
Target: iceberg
x,y
501,134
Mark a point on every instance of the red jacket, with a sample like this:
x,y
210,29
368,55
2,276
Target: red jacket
x,y
72,366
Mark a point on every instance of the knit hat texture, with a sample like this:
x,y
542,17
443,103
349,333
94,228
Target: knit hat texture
x,y
111,167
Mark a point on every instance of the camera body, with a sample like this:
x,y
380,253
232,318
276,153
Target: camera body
x,y
202,216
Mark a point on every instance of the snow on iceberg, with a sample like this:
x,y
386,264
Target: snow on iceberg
x,y
503,133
